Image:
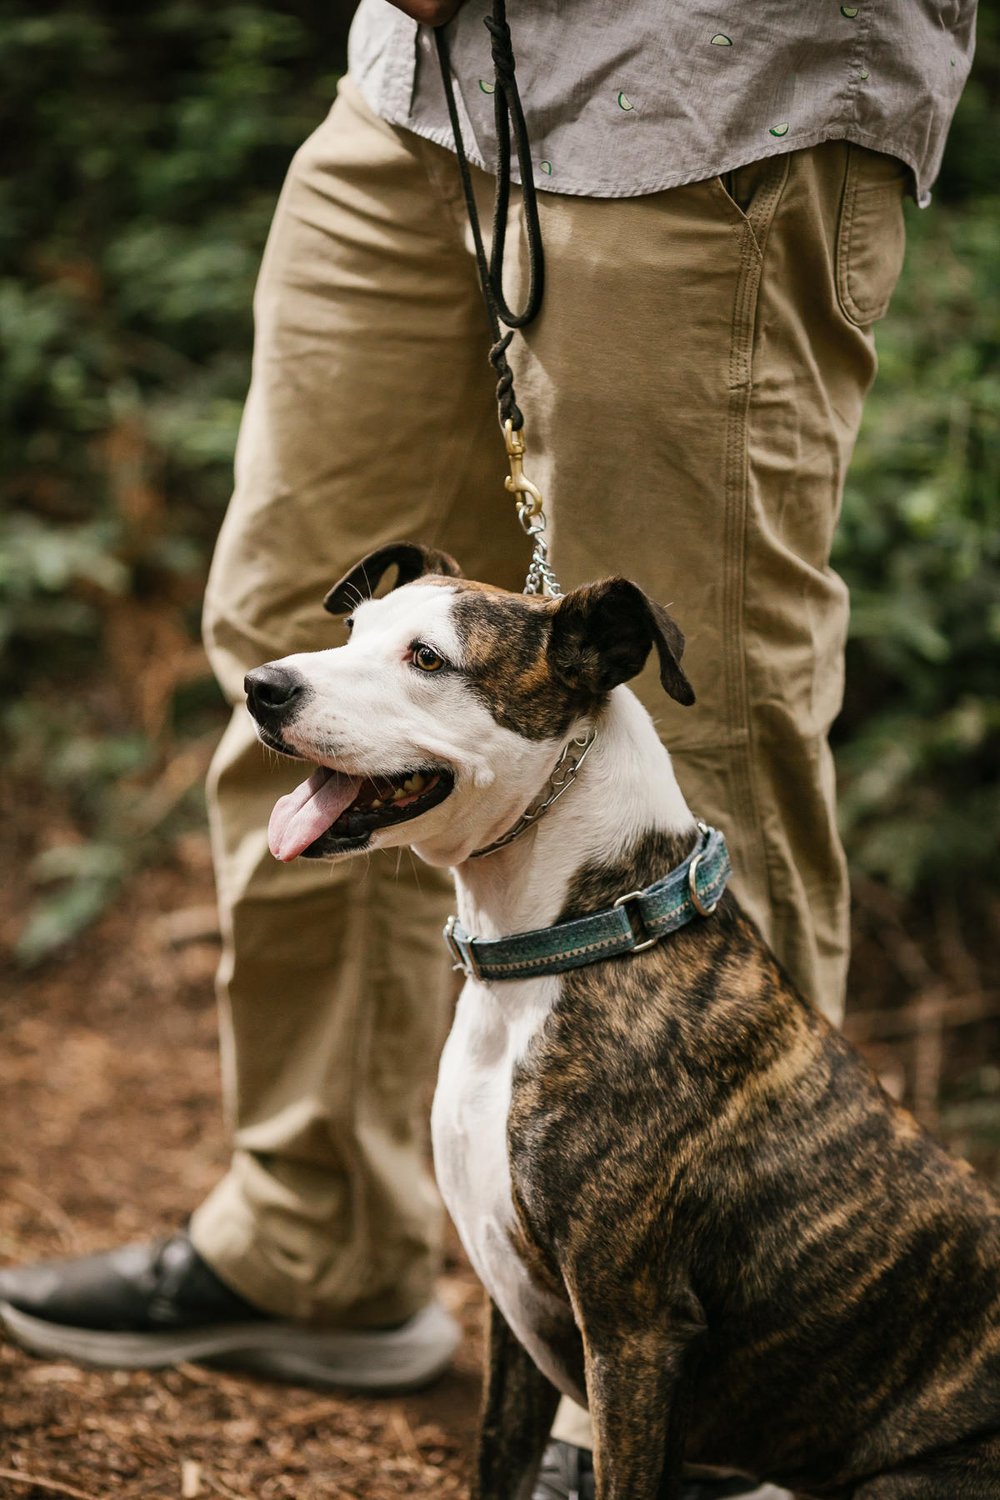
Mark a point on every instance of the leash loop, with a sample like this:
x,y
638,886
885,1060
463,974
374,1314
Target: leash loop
x,y
509,121
509,118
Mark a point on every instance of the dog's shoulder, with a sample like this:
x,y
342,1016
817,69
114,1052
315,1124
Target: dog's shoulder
x,y
704,1011
658,1077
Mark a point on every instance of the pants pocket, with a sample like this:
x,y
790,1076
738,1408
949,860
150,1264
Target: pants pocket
x,y
871,237
744,186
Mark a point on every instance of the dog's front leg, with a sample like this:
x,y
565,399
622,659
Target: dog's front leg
x,y
637,1394
519,1405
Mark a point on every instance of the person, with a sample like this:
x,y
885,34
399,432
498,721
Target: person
x,y
721,198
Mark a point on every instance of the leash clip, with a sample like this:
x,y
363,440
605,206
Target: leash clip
x,y
516,484
531,514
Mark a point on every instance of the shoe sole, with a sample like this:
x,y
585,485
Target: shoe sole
x,y
394,1359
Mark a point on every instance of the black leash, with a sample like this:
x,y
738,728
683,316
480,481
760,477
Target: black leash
x,y
509,118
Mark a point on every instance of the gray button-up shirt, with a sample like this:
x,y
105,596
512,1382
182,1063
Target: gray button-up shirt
x,y
623,97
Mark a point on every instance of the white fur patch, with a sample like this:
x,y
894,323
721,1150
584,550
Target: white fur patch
x,y
372,712
626,787
490,1034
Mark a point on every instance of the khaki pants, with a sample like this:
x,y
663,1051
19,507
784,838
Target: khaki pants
x,y
692,392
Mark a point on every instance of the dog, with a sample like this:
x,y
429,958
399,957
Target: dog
x,y
693,1207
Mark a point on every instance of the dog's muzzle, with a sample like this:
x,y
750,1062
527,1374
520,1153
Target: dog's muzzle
x,y
333,812
275,696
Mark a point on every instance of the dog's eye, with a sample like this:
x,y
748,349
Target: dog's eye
x,y
349,624
425,657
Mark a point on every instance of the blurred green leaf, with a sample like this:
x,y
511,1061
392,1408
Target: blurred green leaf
x,y
57,919
157,137
919,545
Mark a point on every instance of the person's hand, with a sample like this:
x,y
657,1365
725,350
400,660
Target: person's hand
x,y
429,12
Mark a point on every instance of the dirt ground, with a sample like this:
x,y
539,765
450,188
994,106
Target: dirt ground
x,y
111,1132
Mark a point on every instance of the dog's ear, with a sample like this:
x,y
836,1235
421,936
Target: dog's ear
x,y
602,634
412,561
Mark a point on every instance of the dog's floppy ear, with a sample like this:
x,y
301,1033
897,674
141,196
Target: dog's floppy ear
x,y
412,560
602,634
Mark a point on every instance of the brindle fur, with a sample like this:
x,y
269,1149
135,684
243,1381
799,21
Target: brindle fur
x,y
735,1208
765,1264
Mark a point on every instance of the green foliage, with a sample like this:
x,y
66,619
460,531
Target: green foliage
x,y
972,160
158,138
919,544
143,148
918,745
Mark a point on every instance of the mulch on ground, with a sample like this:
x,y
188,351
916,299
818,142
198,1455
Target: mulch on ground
x,y
111,1131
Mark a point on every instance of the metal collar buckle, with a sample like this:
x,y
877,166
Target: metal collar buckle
x,y
635,921
465,965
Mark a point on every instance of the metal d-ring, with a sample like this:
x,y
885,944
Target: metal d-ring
x,y
636,923
696,901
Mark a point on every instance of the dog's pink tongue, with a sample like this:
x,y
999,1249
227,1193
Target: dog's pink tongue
x,y
300,818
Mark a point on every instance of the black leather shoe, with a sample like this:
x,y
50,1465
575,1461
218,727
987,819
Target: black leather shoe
x,y
147,1306
137,1289
567,1473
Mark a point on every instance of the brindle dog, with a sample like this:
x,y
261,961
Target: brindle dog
x,y
691,1202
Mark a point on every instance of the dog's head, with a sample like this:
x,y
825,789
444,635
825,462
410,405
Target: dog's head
x,y
443,715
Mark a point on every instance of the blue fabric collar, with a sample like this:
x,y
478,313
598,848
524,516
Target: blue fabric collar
x,y
636,921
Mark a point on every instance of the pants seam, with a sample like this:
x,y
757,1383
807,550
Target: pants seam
x,y
744,792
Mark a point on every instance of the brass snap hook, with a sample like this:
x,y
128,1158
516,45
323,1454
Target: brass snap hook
x,y
516,483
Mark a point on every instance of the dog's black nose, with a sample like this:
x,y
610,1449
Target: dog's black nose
x,y
273,693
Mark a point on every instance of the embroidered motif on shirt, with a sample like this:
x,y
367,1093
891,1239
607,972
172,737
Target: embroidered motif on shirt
x,y
685,128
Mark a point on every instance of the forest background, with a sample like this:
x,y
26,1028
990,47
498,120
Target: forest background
x,y
143,149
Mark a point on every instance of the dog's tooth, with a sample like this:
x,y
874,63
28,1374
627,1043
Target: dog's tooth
x,y
414,783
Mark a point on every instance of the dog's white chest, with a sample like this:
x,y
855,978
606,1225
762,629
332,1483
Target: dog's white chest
x,y
469,1130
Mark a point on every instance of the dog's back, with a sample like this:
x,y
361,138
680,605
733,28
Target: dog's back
x,y
734,1155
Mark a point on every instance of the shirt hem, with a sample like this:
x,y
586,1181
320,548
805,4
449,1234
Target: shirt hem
x,y
684,176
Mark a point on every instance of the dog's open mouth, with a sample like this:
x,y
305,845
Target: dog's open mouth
x,y
332,812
